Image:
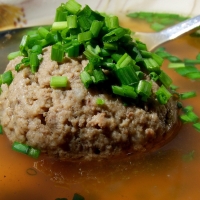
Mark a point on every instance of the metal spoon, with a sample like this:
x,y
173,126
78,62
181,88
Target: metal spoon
x,y
153,40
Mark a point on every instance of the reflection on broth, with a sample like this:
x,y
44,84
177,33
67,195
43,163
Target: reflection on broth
x,y
163,174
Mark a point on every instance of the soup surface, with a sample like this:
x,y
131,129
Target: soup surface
x,y
172,172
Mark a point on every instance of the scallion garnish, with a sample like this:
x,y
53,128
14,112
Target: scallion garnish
x,y
72,6
163,95
57,53
6,77
188,95
197,126
25,149
86,79
108,47
58,26
165,79
144,89
13,55
1,129
100,101
58,81
78,197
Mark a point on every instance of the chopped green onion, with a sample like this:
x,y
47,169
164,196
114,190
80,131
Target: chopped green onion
x,y
197,126
13,55
157,58
151,65
141,45
198,56
78,197
193,75
124,90
188,109
187,95
89,68
188,156
165,79
112,22
58,81
117,90
140,74
84,23
73,6
85,36
163,95
57,26
154,76
190,61
114,35
187,70
37,48
157,26
61,14
22,148
34,62
34,153
173,59
1,129
7,77
73,51
43,32
96,27
25,149
190,116
176,65
72,21
144,89
57,53
99,76
129,91
86,79
24,44
100,101
127,75
173,87
124,61
110,46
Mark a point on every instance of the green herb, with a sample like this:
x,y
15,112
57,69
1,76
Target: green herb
x,y
108,47
163,95
1,129
25,149
57,53
144,89
13,55
100,101
197,126
58,81
188,157
78,197
187,95
176,65
158,21
6,78
190,116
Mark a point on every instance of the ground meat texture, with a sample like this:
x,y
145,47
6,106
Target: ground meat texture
x,y
68,123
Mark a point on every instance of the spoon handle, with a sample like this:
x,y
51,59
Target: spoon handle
x,y
153,40
180,28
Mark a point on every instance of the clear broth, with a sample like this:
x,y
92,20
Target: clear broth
x,y
159,175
